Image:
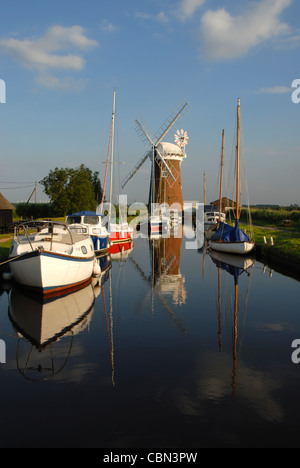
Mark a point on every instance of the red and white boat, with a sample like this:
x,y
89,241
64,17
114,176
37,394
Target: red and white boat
x,y
119,233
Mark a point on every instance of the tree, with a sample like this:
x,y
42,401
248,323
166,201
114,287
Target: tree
x,y
72,190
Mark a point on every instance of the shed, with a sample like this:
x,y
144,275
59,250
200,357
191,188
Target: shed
x,y
6,212
227,204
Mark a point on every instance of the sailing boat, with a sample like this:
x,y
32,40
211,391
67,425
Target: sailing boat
x,y
231,239
119,233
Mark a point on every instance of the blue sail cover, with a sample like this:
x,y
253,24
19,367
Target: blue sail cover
x,y
234,271
226,233
86,213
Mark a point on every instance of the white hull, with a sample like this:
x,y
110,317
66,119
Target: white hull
x,y
239,248
50,272
53,259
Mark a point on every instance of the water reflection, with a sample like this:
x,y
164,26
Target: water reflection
x,y
234,266
41,323
120,252
165,280
165,256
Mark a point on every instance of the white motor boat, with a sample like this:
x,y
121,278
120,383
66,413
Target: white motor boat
x,y
93,224
52,259
211,218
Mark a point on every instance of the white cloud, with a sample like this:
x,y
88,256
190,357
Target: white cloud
x,y
50,52
226,37
106,26
188,7
276,90
162,17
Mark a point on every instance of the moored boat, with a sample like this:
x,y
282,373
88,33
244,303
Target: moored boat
x,y
93,224
52,259
231,239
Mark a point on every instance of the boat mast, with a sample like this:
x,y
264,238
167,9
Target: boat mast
x,y
238,163
221,176
204,186
112,151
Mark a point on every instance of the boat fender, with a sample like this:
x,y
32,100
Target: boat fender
x,y
96,268
7,276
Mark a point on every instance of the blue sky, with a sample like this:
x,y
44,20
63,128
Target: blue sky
x,y
61,61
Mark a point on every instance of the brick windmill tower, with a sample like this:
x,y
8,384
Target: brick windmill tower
x,y
166,159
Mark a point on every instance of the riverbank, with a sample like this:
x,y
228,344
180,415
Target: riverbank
x,y
278,247
283,255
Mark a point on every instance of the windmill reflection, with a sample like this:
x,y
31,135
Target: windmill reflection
x,y
234,266
165,279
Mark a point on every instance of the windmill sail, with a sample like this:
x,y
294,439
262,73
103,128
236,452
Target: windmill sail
x,y
144,133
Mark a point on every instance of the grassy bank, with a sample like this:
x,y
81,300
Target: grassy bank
x,y
286,249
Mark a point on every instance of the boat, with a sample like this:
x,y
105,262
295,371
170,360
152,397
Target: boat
x,y
47,257
119,232
211,218
159,220
92,224
231,239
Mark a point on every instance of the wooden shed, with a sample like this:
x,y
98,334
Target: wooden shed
x,y
227,204
6,212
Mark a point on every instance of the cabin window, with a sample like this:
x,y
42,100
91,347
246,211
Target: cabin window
x,y
83,250
74,219
91,219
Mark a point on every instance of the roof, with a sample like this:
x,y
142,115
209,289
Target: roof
x,y
225,202
86,213
170,150
5,204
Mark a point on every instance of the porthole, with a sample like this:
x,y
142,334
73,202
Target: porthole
x,y
83,250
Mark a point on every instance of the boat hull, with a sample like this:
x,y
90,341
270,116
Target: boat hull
x,y
47,272
238,248
100,244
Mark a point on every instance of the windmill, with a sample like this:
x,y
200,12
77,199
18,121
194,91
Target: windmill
x,y
166,160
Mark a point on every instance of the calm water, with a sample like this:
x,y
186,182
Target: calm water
x,y
165,352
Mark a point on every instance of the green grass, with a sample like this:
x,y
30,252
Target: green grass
x,y
286,243
4,249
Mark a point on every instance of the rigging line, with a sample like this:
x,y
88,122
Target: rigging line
x,y
15,188
7,182
107,161
247,188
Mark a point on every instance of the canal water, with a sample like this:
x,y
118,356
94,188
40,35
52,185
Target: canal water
x,y
171,348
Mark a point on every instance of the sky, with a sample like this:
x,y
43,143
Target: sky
x,y
62,60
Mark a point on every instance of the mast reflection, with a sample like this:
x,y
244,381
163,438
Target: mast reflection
x,y
234,266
